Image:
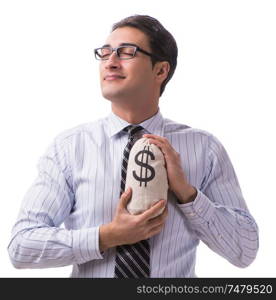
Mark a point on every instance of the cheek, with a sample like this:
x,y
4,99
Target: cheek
x,y
139,73
101,68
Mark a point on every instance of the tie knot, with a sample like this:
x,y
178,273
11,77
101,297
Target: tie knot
x,y
132,130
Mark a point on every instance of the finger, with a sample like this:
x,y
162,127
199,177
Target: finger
x,y
158,220
165,147
154,136
162,143
125,197
151,135
163,214
149,213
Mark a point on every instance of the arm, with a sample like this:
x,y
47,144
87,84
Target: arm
x,y
37,239
217,213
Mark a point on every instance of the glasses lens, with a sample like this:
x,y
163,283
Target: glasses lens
x,y
103,53
126,52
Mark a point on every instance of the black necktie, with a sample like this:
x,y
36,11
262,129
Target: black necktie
x,y
132,261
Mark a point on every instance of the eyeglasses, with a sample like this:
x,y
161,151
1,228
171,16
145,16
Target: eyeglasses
x,y
122,52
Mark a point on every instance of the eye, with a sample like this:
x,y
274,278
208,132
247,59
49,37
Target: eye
x,y
126,52
105,52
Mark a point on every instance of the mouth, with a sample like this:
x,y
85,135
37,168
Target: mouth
x,y
113,77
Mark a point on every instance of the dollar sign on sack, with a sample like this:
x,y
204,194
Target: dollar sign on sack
x,y
143,162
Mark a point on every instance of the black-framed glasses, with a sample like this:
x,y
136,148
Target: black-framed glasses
x,y
122,52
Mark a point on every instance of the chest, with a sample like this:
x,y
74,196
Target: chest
x,y
97,176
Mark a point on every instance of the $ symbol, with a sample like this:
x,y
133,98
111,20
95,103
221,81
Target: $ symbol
x,y
145,165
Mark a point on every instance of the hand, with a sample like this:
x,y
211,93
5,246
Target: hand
x,y
129,229
176,176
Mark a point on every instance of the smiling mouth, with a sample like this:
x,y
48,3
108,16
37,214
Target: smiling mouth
x,y
113,77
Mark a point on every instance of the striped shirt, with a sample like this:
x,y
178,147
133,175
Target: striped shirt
x,y
77,190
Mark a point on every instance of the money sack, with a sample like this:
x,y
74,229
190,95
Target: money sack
x,y
147,176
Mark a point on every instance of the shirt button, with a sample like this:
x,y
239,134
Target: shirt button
x,y
191,214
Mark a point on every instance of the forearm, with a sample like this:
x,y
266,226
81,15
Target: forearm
x,y
236,240
53,247
232,233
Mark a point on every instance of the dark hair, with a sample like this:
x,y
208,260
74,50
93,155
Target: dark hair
x,y
162,43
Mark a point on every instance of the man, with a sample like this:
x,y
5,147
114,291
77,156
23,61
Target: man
x,y
81,173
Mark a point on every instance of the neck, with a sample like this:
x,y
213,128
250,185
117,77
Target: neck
x,y
134,115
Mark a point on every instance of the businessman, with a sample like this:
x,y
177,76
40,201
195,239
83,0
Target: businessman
x,y
81,179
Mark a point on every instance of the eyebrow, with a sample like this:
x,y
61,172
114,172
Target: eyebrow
x,y
122,44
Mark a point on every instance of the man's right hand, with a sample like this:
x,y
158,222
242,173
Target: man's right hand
x,y
129,229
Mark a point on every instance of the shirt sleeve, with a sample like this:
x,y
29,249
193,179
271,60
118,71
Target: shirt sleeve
x,y
219,215
38,239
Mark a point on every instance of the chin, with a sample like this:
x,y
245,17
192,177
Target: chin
x,y
113,95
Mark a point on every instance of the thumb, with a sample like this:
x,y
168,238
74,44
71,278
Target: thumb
x,y
125,197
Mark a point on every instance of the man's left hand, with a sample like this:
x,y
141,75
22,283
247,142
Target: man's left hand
x,y
176,176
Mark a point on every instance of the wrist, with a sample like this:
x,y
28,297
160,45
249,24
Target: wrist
x,y
187,194
106,237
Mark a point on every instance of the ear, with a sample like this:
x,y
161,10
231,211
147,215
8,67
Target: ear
x,y
162,70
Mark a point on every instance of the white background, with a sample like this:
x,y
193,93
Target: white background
x,y
224,83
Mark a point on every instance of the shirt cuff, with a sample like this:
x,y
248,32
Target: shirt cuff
x,y
86,244
198,211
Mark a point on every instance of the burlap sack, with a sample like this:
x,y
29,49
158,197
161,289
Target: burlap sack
x,y
147,176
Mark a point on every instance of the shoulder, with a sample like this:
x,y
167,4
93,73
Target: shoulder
x,y
73,136
197,136
173,127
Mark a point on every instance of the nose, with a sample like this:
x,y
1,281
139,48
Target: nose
x,y
113,62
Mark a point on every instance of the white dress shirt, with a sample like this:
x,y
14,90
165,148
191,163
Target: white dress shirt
x,y
77,190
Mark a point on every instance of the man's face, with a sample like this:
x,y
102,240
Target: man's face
x,y
127,79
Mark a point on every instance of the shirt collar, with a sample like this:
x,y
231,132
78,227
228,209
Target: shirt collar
x,y
153,125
